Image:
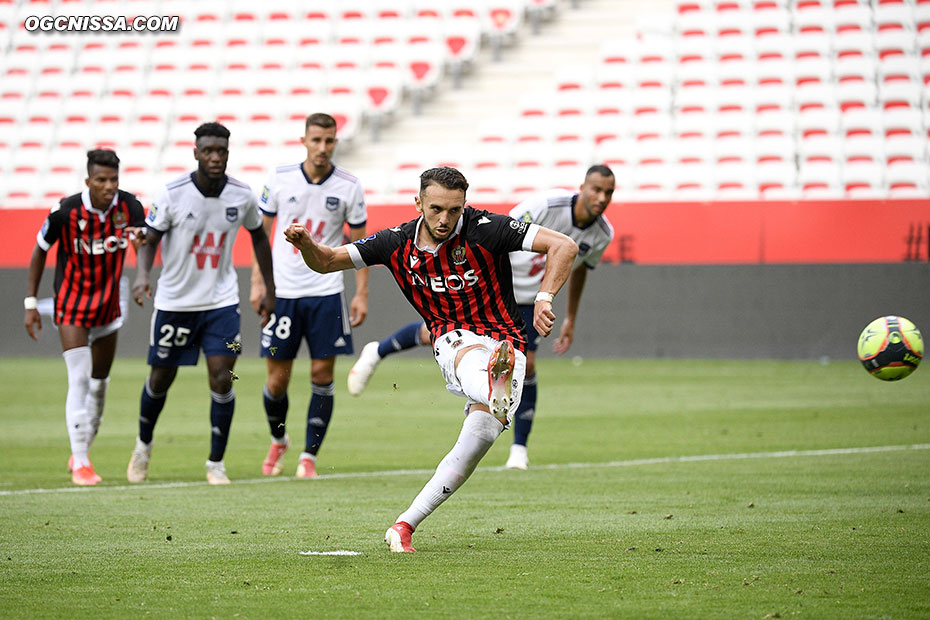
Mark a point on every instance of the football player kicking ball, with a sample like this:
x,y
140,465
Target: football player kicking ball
x,y
578,215
452,265
93,230
196,218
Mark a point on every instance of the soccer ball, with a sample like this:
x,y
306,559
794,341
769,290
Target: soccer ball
x,y
890,348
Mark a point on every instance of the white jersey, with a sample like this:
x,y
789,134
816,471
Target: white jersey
x,y
196,249
324,208
555,210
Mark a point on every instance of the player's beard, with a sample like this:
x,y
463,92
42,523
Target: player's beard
x,y
433,235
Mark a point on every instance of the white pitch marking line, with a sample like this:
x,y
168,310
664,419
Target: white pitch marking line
x,y
337,552
738,456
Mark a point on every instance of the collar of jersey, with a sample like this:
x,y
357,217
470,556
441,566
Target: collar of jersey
x,y
202,191
416,233
332,169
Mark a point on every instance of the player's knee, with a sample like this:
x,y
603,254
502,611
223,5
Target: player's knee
x,y
485,427
276,385
161,379
221,380
321,377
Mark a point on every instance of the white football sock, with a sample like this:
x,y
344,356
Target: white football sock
x,y
472,373
96,396
478,434
80,428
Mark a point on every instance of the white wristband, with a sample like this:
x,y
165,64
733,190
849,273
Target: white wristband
x,y
542,296
30,303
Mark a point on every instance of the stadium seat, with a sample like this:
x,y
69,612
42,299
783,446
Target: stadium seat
x,y
489,185
863,180
502,17
856,93
864,147
820,180
575,128
736,182
769,18
691,122
899,90
867,121
906,147
693,150
58,185
571,103
384,90
817,120
75,128
902,120
532,154
907,180
534,128
462,38
615,153
777,180
652,182
694,181
819,148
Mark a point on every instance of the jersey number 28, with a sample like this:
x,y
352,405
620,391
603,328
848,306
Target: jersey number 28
x,y
283,328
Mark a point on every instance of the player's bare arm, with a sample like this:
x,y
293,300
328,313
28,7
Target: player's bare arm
x,y
575,287
560,253
261,248
33,320
257,288
358,307
142,286
319,258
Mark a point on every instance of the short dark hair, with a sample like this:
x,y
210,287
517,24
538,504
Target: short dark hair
x,y
213,129
320,119
102,157
445,176
600,169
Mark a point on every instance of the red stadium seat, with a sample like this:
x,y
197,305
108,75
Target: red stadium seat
x,y
907,180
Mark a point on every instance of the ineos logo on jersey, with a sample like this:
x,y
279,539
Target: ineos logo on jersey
x,y
441,284
100,246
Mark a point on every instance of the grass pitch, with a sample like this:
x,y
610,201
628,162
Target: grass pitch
x,y
657,489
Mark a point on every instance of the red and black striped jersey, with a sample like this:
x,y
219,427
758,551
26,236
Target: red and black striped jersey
x,y
466,282
91,250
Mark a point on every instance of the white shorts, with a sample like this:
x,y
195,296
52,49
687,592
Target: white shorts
x,y
101,331
447,347
46,307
